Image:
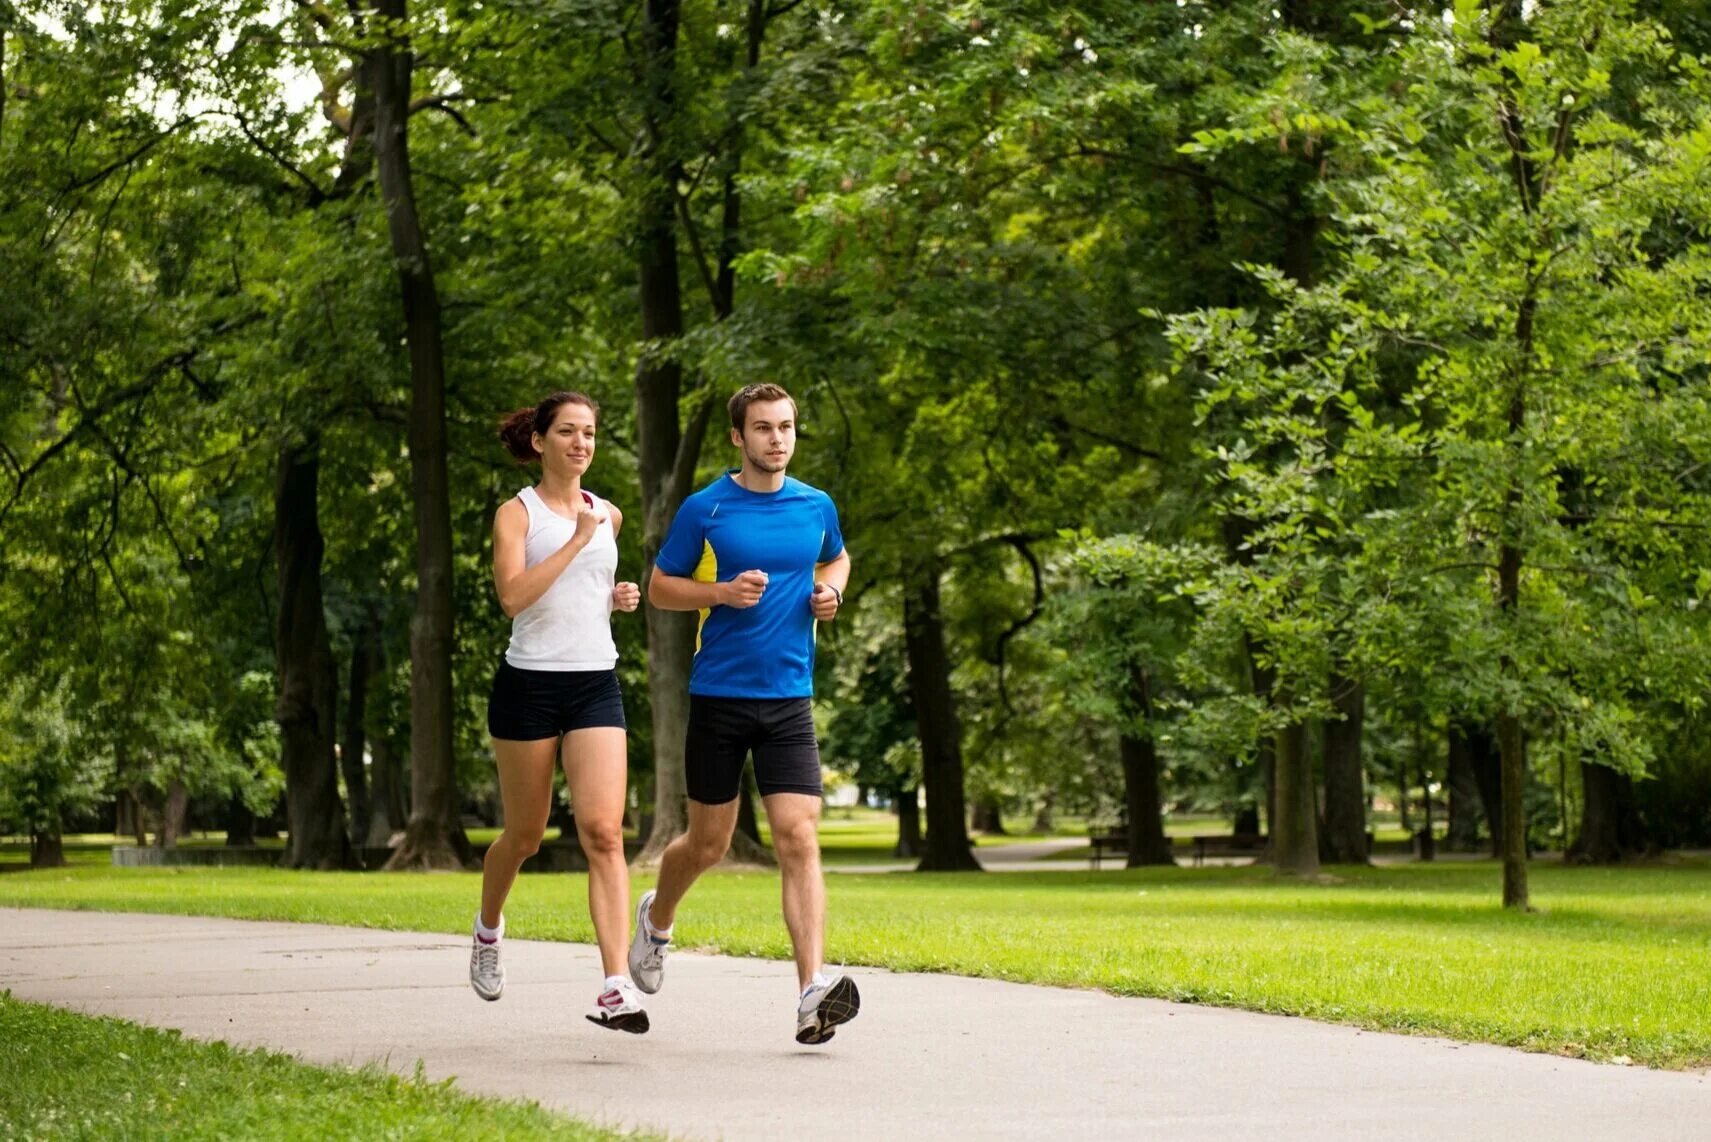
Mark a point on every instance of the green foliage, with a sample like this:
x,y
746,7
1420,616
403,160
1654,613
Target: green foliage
x,y
1167,335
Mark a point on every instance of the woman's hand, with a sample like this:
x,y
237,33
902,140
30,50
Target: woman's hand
x,y
587,520
626,597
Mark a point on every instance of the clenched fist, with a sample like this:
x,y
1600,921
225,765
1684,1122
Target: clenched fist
x,y
626,597
824,603
588,519
745,590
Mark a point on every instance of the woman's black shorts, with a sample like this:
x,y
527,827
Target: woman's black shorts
x,y
722,731
528,705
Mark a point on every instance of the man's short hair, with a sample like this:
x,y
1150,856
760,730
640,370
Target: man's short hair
x,y
749,394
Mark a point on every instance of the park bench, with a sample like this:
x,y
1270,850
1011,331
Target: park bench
x,y
1114,840
1226,844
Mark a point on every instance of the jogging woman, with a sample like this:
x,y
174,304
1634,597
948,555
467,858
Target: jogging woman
x,y
555,696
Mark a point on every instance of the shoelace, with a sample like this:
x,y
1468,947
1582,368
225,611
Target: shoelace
x,y
653,956
487,958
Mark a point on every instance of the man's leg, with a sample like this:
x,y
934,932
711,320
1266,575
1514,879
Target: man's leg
x,y
687,857
795,821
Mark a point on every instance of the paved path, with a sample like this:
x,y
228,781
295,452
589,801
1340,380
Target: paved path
x,y
930,1056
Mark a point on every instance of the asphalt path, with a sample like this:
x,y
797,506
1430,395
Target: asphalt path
x,y
930,1056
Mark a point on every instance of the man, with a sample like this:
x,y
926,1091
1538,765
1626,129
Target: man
x,y
761,557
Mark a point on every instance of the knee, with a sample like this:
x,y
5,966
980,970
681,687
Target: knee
x,y
601,840
707,851
524,843
798,841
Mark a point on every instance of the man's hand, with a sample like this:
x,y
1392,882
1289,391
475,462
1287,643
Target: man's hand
x,y
626,597
745,590
824,603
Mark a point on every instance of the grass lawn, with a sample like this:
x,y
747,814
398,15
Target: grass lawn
x,y
1616,963
77,1076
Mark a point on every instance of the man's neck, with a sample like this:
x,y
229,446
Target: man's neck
x,y
753,479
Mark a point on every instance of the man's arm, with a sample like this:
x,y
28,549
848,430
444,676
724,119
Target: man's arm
x,y
836,573
680,593
830,579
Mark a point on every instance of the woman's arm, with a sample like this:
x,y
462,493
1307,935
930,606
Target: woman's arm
x,y
520,587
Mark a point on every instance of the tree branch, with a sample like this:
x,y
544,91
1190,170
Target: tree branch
x,y
1015,628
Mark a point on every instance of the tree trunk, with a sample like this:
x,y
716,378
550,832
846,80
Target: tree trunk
x,y
1611,829
947,844
1294,846
665,450
746,845
1043,822
307,682
128,816
174,813
387,812
1506,31
47,848
354,745
1143,800
240,823
1511,748
1463,790
908,802
748,821
1488,780
1345,787
434,838
988,816
1428,843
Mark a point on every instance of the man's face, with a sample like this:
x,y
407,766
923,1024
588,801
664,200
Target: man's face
x,y
768,438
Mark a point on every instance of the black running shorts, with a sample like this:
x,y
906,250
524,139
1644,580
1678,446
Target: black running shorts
x,y
722,731
528,705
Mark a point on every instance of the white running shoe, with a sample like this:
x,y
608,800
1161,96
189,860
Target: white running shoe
x,y
620,1009
485,974
824,1007
647,954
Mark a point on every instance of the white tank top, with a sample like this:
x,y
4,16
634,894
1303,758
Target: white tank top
x,y
569,627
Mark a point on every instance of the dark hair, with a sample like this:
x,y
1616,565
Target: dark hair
x,y
518,430
748,394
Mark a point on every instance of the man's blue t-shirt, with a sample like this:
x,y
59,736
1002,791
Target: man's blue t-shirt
x,y
767,650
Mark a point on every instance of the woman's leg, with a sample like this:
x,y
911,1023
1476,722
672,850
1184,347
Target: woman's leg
x,y
594,765
526,788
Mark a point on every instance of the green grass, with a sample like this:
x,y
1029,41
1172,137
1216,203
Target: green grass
x,y
1617,962
77,1076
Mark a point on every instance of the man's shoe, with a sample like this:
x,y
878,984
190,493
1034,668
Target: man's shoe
x,y
647,952
485,974
824,1007
620,1009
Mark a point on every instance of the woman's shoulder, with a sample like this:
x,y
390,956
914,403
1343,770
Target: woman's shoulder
x,y
514,512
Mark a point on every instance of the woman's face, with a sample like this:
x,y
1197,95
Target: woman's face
x,y
568,446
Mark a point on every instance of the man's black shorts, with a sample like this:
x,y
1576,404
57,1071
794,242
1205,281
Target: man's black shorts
x,y
722,731
528,705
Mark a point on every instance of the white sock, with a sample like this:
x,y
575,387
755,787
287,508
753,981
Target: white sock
x,y
661,934
489,935
613,981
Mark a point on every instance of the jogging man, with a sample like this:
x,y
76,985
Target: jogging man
x,y
761,557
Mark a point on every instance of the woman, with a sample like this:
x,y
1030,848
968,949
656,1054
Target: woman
x,y
555,557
